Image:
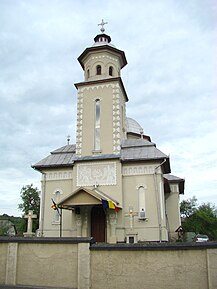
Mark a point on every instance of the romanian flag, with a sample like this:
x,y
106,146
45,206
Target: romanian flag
x,y
117,209
109,205
54,206
105,204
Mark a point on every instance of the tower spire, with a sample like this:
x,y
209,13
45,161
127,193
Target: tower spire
x,y
102,26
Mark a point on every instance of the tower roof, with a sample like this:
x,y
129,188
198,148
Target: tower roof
x,y
102,42
135,129
133,126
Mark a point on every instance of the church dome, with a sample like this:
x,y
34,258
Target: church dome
x,y
102,39
133,126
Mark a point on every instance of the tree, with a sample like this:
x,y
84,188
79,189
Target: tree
x,y
30,201
18,222
199,219
188,207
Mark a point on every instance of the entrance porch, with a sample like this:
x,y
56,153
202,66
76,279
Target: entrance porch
x,y
91,218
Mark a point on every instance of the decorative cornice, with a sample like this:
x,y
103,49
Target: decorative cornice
x,y
139,170
58,176
102,81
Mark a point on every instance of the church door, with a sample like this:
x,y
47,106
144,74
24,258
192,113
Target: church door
x,y
98,224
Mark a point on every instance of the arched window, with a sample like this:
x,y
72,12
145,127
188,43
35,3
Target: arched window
x,y
57,195
110,70
98,70
141,192
97,125
88,73
56,213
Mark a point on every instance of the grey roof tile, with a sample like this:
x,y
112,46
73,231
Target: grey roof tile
x,y
63,156
172,178
131,149
65,149
136,143
139,151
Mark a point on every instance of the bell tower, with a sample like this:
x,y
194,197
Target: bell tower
x,y
101,112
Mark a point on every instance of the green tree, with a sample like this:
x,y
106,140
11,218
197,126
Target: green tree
x,y
188,207
30,201
3,230
199,219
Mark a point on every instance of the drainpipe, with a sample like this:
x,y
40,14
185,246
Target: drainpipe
x,y
41,224
158,200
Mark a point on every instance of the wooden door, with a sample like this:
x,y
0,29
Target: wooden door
x,y
98,224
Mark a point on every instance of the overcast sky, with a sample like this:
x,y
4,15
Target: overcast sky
x,y
170,80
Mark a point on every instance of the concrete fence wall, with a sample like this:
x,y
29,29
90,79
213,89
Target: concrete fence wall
x,y
163,266
42,262
77,263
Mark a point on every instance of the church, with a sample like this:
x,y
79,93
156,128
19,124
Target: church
x,y
114,184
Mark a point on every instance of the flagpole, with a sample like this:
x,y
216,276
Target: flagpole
x,y
60,222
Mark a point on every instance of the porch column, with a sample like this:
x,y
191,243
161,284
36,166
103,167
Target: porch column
x,y
113,223
78,221
85,223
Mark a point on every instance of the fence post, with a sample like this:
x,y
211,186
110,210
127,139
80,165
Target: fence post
x,y
211,267
11,264
83,265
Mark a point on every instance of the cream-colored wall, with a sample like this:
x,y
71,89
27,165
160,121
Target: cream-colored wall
x,y
125,191
69,221
3,262
52,182
61,264
179,269
212,265
147,230
173,213
44,264
53,263
108,106
114,191
105,59
88,126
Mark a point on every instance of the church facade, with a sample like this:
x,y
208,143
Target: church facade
x,y
113,184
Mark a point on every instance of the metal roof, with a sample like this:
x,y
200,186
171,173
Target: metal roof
x,y
171,179
65,149
61,157
97,194
131,150
128,143
133,126
134,149
141,150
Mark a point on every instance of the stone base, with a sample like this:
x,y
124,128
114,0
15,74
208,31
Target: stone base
x,y
113,240
29,234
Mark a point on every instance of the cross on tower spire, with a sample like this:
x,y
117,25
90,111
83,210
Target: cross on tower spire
x,y
102,26
68,139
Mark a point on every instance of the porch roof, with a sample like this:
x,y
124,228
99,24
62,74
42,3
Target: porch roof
x,y
85,197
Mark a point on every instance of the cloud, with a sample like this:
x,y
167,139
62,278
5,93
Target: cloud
x,y
170,81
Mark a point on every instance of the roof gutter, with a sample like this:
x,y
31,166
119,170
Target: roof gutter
x,y
158,199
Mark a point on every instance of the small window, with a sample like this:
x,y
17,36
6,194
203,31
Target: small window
x,y
56,213
97,125
110,70
88,73
57,195
56,217
141,191
98,70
